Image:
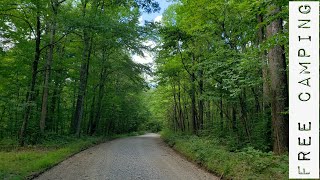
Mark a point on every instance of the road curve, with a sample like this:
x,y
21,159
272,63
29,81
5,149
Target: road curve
x,y
143,157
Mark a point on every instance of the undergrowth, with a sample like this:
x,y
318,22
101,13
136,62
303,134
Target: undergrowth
x,y
247,163
25,162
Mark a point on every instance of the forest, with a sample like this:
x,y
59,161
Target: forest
x,y
222,71
66,68
219,72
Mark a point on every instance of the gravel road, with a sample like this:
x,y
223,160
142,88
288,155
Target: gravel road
x,y
143,157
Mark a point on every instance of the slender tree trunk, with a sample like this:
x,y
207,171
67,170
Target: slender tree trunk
x,y
193,101
84,72
98,107
181,117
193,106
234,119
53,105
73,123
17,115
175,108
265,107
221,112
279,87
264,63
31,93
97,116
186,113
48,70
244,114
201,103
256,100
1,118
92,113
212,112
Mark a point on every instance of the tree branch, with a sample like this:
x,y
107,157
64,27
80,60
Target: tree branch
x,y
26,21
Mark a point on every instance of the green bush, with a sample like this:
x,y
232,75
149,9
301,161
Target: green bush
x,y
154,126
247,163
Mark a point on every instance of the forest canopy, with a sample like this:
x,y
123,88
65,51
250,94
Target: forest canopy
x,y
220,70
66,67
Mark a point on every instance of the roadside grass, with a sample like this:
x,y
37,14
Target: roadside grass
x,y
26,162
248,163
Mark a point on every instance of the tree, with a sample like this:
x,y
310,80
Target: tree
x,y
94,36
52,28
278,86
220,48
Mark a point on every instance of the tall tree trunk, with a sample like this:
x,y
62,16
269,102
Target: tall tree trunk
x,y
193,99
2,116
264,63
31,93
234,119
279,87
201,103
92,113
84,72
186,111
54,114
97,112
175,107
181,117
102,80
53,105
256,100
244,113
221,112
48,69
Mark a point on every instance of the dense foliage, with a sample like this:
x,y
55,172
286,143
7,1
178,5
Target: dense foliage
x,y
213,154
220,86
221,70
66,67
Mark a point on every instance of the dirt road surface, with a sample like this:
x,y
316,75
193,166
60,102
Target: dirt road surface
x,y
143,157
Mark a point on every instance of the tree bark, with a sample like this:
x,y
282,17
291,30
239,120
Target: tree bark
x,y
102,80
278,88
181,117
175,107
201,103
234,119
84,72
44,106
221,112
264,64
244,114
193,102
31,93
